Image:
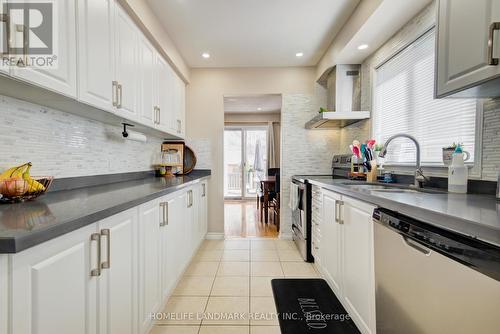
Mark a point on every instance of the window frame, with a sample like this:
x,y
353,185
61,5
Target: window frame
x,y
430,169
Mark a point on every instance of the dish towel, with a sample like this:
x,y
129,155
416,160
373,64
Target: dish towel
x,y
294,196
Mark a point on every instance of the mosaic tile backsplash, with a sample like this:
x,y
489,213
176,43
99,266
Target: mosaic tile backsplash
x,y
303,152
65,145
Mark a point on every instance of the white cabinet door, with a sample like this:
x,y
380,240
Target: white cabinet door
x,y
61,78
118,281
330,251
96,53
180,106
462,46
147,66
358,283
165,91
126,64
4,52
149,262
51,285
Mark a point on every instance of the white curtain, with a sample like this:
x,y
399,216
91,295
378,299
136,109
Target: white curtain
x,y
271,153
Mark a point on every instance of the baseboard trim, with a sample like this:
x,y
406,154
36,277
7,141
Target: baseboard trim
x,y
214,236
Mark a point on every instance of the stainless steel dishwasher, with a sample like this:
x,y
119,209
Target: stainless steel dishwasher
x,y
432,281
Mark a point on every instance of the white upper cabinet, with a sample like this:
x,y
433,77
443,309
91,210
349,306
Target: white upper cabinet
x,y
96,53
147,65
465,57
165,96
126,65
180,106
4,52
62,77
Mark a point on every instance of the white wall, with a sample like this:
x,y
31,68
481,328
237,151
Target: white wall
x,y
205,112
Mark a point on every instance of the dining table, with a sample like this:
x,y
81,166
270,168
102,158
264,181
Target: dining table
x,y
267,184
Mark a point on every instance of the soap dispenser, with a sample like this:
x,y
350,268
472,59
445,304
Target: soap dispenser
x,y
458,173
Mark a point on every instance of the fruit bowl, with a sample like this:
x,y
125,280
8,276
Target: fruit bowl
x,y
19,190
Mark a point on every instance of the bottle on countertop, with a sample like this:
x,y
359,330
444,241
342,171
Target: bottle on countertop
x,y
458,173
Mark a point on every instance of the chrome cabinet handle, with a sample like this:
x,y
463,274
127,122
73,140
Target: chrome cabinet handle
x,y
107,233
114,93
340,220
190,198
119,92
491,43
25,31
204,187
179,126
5,18
159,115
97,237
337,211
164,212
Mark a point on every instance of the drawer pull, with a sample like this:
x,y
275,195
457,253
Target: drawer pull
x,y
491,43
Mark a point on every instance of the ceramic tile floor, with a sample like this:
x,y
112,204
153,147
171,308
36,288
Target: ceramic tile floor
x,y
227,288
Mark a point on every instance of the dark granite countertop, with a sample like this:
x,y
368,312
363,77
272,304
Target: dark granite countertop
x,y
24,225
476,216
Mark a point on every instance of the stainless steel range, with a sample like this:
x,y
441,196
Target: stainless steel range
x,y
301,210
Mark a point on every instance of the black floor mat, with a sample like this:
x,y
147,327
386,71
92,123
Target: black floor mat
x,y
310,306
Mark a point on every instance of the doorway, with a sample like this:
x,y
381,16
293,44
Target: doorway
x,y
245,160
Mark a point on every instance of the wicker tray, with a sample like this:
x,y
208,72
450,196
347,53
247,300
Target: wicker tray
x,y
17,190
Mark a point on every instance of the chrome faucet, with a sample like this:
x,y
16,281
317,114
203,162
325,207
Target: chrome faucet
x,y
419,175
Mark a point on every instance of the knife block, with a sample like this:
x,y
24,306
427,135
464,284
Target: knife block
x,y
371,176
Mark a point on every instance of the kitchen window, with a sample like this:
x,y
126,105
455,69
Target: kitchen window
x,y
404,103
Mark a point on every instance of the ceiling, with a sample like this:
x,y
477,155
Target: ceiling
x,y
268,103
252,33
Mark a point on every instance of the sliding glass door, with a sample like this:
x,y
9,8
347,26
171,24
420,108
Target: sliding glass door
x,y
245,160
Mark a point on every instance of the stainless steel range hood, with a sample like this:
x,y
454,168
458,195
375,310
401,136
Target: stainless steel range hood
x,y
343,85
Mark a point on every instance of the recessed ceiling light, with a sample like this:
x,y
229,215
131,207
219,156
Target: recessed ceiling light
x,y
259,109
363,46
205,55
299,54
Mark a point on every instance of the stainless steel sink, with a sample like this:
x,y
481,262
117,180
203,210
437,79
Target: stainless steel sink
x,y
388,188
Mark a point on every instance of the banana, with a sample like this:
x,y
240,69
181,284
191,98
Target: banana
x,y
14,171
33,185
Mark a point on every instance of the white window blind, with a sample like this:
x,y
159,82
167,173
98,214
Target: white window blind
x,y
404,102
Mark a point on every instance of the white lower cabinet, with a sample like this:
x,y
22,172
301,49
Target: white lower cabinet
x,y
52,289
330,252
346,257
149,262
107,277
117,284
358,272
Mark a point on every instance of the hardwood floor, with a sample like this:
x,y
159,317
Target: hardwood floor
x,y
242,220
